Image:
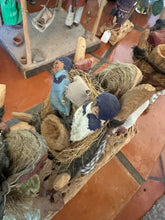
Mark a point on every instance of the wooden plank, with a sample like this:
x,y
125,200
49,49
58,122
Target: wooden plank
x,y
102,4
26,31
2,94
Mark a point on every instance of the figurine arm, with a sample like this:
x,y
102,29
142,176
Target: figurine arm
x,y
59,79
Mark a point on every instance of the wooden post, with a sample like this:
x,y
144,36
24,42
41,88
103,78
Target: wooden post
x,y
26,31
102,4
59,5
2,94
80,49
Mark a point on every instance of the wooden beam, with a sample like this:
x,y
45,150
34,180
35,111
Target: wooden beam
x,y
59,5
2,94
26,31
102,4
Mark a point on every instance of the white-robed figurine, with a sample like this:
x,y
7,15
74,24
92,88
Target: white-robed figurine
x,y
74,12
93,115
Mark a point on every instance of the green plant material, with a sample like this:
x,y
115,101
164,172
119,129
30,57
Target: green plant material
x,y
157,7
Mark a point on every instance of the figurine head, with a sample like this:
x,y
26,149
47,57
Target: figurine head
x,y
62,63
106,106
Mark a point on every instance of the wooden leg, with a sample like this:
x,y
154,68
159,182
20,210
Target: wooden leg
x,y
102,4
2,94
59,4
26,31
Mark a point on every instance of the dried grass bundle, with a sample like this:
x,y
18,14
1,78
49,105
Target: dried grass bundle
x,y
55,133
91,82
133,99
157,56
78,148
118,78
26,148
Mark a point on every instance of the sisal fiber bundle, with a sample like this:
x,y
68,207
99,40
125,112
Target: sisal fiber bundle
x,y
133,99
55,133
91,82
160,78
26,149
118,78
78,148
157,56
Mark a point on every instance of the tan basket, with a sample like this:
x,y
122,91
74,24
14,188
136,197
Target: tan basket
x,y
157,56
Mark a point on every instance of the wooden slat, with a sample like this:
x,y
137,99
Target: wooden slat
x,y
102,4
26,31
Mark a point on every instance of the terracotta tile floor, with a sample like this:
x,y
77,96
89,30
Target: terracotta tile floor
x,y
127,186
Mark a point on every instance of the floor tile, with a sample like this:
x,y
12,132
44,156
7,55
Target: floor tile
x,y
157,169
163,159
143,150
24,94
123,51
142,201
21,94
100,68
95,60
101,51
38,5
103,196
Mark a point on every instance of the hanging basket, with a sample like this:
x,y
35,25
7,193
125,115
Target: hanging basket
x,y
45,17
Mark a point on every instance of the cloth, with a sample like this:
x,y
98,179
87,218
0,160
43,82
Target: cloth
x,y
57,98
78,92
109,106
84,123
122,9
67,63
89,167
73,17
131,120
11,12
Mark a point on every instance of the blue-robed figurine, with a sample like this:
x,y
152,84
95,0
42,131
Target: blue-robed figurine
x,y
59,102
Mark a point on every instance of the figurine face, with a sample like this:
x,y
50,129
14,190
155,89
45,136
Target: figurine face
x,y
58,65
95,109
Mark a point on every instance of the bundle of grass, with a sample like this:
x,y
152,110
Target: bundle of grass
x,y
55,133
22,154
118,78
133,99
27,149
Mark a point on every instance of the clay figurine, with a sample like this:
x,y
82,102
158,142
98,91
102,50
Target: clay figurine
x,y
74,12
93,115
61,67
